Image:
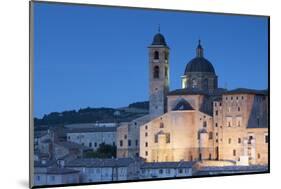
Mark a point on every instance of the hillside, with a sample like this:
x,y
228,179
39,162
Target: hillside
x,y
93,115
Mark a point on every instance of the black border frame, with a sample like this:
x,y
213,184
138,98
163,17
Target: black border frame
x,y
31,122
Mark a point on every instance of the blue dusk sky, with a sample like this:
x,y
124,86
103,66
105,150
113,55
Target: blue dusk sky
x,y
87,56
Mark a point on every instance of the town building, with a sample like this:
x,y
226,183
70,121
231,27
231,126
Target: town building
x,y
104,170
49,173
201,121
92,137
152,170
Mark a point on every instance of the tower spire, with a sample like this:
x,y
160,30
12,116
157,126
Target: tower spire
x,y
158,28
199,49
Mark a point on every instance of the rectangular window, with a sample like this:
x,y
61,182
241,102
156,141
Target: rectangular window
x,y
204,124
146,153
234,152
121,143
146,144
53,178
156,138
160,171
239,140
146,134
167,137
217,112
161,125
129,142
210,135
137,142
229,121
229,141
125,136
266,138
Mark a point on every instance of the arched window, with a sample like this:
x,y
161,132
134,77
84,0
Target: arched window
x,y
156,55
156,72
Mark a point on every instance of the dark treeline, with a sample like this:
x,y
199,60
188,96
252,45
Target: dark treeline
x,y
92,115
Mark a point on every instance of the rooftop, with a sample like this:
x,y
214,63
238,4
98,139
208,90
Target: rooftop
x,y
157,165
247,91
93,162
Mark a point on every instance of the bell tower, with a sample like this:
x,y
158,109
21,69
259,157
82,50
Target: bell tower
x,y
158,75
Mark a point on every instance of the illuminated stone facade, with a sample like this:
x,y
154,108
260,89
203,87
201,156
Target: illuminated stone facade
x,y
237,130
199,121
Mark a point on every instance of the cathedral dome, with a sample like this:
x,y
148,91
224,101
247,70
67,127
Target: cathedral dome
x,y
159,39
199,63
